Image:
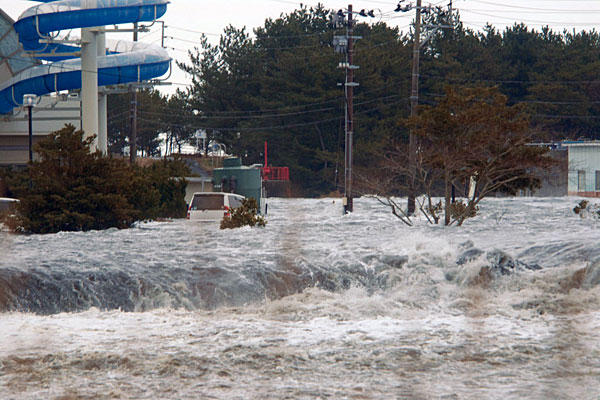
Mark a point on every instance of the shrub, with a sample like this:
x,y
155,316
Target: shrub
x,y
171,191
461,210
244,215
585,209
71,189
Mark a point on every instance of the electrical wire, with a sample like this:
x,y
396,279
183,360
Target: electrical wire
x,y
544,10
267,116
272,127
488,81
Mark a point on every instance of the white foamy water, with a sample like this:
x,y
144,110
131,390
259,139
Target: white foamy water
x,y
315,305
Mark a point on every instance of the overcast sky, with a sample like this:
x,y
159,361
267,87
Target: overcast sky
x,y
185,20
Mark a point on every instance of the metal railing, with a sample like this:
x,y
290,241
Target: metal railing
x,y
275,173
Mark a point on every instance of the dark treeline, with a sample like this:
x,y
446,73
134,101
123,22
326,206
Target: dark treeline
x,y
281,85
156,114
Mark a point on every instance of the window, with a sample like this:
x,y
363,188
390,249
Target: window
x,y
207,202
581,181
234,202
597,181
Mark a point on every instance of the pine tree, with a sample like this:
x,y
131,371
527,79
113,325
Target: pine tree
x,y
69,188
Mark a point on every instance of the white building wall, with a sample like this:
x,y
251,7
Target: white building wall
x,y
583,157
50,115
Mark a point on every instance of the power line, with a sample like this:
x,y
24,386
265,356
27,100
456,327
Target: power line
x,y
266,116
513,81
492,81
555,116
318,45
262,116
537,22
261,37
511,6
273,127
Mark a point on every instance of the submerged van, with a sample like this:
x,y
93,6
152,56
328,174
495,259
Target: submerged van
x,y
212,206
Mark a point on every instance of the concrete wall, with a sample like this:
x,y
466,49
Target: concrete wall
x,y
50,115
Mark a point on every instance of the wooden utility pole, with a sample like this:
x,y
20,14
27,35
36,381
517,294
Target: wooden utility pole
x,y
414,102
345,44
133,133
349,88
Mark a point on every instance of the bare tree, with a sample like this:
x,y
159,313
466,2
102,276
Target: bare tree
x,y
470,135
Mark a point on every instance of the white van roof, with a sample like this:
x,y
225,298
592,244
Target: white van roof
x,y
221,193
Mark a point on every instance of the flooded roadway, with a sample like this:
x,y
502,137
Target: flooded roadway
x,y
316,305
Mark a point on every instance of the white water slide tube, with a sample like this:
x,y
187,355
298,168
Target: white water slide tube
x,y
134,62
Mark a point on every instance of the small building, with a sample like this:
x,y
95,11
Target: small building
x,y
234,177
50,115
584,168
197,184
202,180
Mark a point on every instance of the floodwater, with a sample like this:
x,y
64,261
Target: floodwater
x,y
316,305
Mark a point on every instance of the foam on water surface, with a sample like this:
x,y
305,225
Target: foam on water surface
x,y
316,305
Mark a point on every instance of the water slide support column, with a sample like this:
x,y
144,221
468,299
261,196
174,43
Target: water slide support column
x,y
102,102
89,83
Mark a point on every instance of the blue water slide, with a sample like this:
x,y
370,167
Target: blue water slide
x,y
127,62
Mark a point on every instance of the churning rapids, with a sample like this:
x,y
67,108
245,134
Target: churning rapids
x,y
315,305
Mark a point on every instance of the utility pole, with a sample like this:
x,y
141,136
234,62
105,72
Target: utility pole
x,y
414,102
133,134
414,93
345,44
349,88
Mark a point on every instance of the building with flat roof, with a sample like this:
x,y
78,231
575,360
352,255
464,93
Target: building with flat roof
x,y
38,57
50,114
584,168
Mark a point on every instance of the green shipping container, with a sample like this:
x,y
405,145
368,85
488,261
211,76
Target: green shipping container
x,y
237,178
